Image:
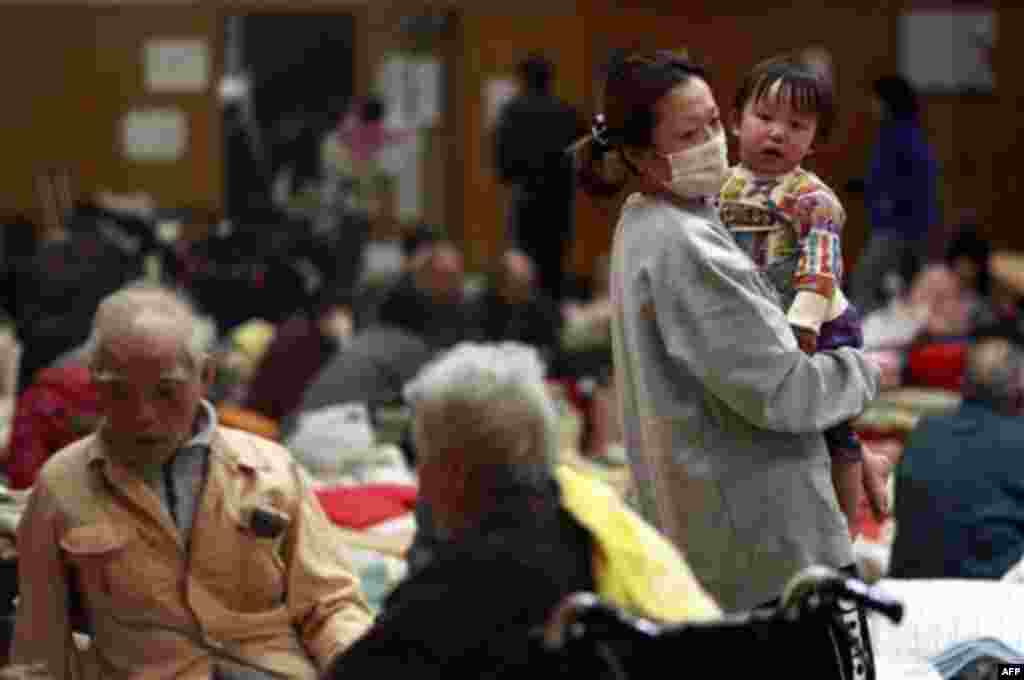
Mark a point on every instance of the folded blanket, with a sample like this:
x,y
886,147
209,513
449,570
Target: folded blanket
x,y
974,655
941,613
359,507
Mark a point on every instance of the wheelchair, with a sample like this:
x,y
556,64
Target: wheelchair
x,y
804,635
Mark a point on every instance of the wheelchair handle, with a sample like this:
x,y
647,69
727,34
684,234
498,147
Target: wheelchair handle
x,y
824,582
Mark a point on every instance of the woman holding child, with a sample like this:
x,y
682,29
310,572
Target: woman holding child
x,y
723,411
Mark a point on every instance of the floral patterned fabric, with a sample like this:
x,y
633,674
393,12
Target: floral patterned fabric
x,y
60,407
790,225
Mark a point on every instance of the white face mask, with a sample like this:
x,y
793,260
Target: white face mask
x,y
699,170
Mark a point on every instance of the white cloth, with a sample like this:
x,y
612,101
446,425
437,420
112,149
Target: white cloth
x,y
1015,574
940,613
338,443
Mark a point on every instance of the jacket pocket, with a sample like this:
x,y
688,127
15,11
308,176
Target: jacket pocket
x,y
242,560
91,549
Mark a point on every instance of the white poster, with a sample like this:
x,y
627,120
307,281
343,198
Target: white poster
x,y
948,51
423,87
177,65
391,88
412,90
154,135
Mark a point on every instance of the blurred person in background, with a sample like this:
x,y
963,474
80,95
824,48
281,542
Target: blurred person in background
x,y
533,132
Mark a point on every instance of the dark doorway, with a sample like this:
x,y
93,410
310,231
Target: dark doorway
x,y
298,72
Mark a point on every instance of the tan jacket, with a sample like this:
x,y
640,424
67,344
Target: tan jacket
x,y
288,602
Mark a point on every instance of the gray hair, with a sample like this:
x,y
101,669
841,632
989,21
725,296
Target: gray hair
x,y
488,402
148,308
993,374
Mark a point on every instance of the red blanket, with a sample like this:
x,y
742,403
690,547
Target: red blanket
x,y
359,507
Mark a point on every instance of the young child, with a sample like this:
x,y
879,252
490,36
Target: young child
x,y
789,221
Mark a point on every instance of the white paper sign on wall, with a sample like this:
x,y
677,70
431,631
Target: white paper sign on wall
x,y
948,51
154,135
181,65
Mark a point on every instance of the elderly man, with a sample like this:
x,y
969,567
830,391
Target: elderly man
x,y
519,533
164,536
960,483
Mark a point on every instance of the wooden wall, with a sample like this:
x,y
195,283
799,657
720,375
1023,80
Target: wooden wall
x,y
494,44
975,137
46,67
71,70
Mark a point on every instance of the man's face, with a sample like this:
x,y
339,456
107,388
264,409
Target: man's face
x,y
149,396
445,277
517,280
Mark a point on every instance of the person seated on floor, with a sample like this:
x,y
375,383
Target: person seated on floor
x,y
518,534
60,406
413,251
301,347
371,370
959,493
956,291
514,308
164,534
51,291
431,303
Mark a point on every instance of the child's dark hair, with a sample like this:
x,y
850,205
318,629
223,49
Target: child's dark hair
x,y
633,85
808,90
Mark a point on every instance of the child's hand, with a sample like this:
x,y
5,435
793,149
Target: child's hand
x,y
877,468
847,481
807,339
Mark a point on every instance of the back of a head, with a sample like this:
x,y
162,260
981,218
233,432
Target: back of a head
x,y
633,86
487,403
537,71
808,89
898,95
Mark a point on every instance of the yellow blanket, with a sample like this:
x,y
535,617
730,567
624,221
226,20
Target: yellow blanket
x,y
634,566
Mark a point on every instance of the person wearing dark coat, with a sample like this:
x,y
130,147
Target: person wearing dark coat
x,y
532,136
